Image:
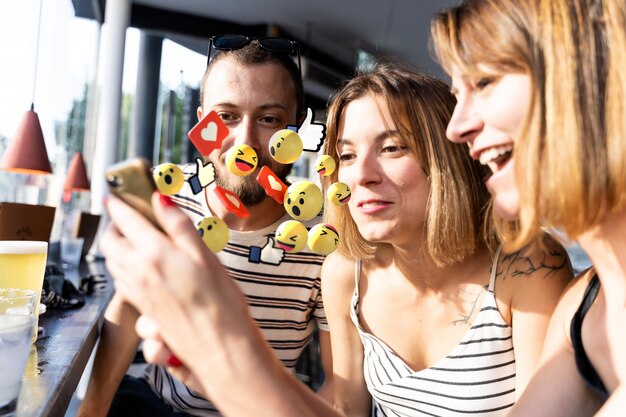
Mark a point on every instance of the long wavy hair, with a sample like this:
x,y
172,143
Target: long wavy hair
x,y
420,107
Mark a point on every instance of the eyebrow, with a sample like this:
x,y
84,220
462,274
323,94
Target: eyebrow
x,y
381,136
267,106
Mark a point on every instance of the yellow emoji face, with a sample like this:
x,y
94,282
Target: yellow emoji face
x,y
325,165
303,200
214,233
323,239
241,160
169,178
339,194
291,236
285,146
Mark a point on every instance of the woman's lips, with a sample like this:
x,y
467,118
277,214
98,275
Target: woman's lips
x,y
501,174
372,206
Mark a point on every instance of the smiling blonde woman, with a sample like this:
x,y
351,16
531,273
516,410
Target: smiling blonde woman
x,y
569,159
426,317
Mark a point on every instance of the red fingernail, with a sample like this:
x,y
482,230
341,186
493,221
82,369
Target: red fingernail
x,y
174,361
166,201
105,200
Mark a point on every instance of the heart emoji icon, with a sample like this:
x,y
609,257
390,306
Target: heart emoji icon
x,y
233,200
274,184
209,133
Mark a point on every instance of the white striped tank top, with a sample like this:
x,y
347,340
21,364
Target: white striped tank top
x,y
477,378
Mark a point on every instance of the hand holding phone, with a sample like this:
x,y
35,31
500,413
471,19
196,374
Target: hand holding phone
x,y
131,181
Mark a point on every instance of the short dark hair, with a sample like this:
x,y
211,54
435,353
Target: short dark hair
x,y
254,54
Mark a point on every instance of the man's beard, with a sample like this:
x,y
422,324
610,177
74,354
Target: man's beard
x,y
247,188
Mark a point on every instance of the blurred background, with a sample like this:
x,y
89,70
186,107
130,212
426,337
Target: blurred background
x,y
336,37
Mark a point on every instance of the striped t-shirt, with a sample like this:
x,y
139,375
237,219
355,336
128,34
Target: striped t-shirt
x,y
284,298
477,378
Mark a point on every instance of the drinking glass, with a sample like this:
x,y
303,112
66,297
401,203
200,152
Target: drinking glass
x,y
71,250
17,319
23,265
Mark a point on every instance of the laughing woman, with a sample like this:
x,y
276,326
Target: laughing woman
x,y
426,318
543,81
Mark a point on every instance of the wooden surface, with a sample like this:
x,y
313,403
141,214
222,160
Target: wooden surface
x,y
58,359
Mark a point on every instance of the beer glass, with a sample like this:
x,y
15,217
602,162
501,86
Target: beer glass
x,y
23,265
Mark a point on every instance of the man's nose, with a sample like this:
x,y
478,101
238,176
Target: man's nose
x,y
247,134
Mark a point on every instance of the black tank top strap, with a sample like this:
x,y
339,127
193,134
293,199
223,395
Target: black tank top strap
x,y
585,368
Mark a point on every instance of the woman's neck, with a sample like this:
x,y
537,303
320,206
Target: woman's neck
x,y
605,244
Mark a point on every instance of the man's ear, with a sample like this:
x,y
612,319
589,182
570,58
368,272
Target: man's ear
x,y
199,113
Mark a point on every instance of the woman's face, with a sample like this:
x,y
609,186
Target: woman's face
x,y
389,188
489,115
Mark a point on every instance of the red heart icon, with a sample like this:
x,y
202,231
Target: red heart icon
x,y
208,134
272,185
231,202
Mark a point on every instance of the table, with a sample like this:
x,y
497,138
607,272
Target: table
x,y
58,359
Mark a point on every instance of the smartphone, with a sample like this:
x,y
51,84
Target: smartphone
x,y
131,181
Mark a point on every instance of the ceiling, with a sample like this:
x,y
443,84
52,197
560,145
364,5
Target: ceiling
x,y
330,31
337,27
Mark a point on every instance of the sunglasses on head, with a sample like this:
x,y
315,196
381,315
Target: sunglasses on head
x,y
278,46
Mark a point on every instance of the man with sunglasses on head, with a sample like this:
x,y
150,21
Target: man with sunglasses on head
x,y
256,89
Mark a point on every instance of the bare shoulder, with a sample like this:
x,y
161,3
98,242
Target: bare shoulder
x,y
570,301
338,277
575,290
545,260
536,274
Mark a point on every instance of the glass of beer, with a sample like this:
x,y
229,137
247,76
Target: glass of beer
x,y
23,265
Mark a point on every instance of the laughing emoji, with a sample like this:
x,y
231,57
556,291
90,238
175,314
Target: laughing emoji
x,y
169,178
339,194
303,200
285,146
241,160
325,165
291,236
323,239
214,233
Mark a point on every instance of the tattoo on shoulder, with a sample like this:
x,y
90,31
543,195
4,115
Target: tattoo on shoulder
x,y
545,262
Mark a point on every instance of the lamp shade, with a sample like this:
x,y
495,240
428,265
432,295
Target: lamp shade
x,y
77,175
27,151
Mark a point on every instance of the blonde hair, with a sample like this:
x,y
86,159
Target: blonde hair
x,y
615,19
562,166
491,32
420,107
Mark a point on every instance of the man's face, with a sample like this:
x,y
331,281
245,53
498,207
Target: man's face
x,y
254,102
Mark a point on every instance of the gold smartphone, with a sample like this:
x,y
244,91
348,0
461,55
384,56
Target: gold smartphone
x,y
131,181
